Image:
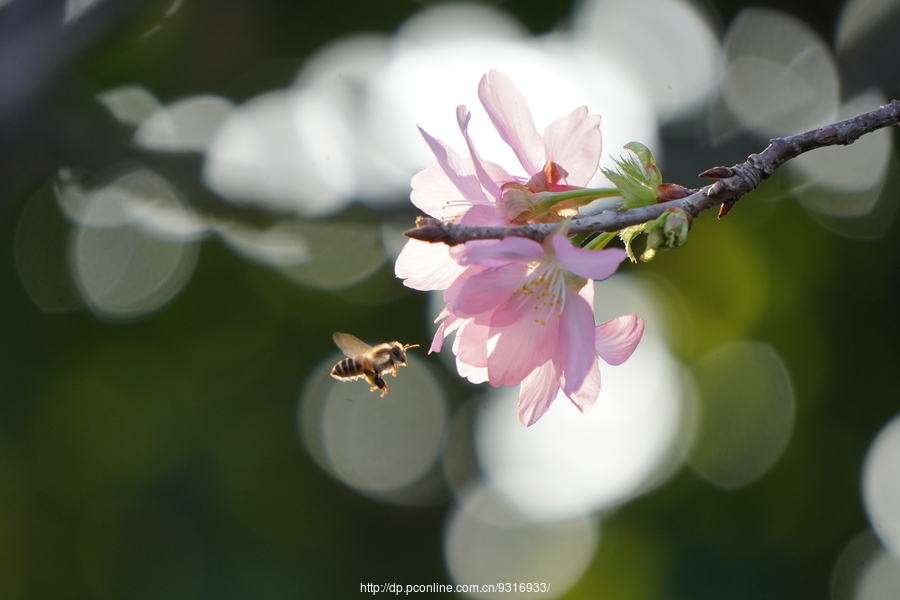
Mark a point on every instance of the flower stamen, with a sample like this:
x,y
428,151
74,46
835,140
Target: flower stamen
x,y
545,290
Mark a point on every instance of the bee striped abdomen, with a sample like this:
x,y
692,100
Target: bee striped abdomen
x,y
347,368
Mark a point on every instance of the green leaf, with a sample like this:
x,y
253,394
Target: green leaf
x,y
628,234
642,152
600,242
636,176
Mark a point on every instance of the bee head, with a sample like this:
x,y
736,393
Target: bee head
x,y
398,351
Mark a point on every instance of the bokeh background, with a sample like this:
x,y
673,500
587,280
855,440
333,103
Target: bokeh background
x,y
195,194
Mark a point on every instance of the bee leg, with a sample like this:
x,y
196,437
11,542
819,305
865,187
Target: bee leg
x,y
377,383
381,385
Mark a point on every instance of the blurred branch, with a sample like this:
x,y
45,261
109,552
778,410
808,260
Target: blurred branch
x,y
732,183
36,44
37,48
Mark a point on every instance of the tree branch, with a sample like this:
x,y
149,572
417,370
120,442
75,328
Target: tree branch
x,y
732,183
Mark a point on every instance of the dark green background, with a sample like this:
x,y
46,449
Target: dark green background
x,y
136,454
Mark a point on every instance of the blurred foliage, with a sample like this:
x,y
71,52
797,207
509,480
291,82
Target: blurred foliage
x,y
159,457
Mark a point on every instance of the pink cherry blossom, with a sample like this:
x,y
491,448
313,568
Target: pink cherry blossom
x,y
565,157
522,311
523,315
475,191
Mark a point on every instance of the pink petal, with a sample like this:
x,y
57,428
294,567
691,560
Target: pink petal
x,y
574,143
494,252
470,344
461,173
489,185
591,264
486,290
523,343
472,373
576,341
483,215
459,283
444,314
537,392
425,266
586,396
511,117
616,340
435,194
447,327
587,292
497,173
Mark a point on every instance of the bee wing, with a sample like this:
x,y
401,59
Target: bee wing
x,y
351,345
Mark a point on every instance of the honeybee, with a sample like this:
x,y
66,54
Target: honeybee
x,y
365,361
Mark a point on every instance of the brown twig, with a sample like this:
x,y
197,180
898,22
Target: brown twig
x,y
732,183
